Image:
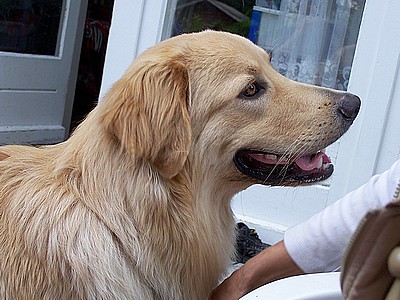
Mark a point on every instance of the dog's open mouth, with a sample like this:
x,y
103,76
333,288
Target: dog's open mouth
x,y
275,170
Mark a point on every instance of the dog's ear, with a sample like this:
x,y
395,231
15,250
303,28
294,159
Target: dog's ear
x,y
147,111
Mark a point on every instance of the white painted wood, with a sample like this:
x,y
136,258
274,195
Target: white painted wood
x,y
390,143
123,40
136,25
36,91
370,146
375,78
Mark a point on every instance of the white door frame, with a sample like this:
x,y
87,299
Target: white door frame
x,y
136,25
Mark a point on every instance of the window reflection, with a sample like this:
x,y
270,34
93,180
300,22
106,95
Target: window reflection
x,y
229,15
311,41
30,26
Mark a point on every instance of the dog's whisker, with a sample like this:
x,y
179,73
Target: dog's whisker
x,y
282,158
291,155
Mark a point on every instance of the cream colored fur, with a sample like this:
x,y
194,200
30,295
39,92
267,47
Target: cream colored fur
x,y
136,204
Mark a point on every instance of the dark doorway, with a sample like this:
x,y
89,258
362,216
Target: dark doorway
x,y
93,51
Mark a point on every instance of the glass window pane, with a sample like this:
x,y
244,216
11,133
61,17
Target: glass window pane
x,y
228,15
311,41
30,26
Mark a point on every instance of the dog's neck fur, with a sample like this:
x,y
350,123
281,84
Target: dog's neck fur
x,y
185,193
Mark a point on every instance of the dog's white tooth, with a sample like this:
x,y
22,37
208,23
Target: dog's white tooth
x,y
271,156
320,163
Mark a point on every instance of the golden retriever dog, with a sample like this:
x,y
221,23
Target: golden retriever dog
x,y
136,203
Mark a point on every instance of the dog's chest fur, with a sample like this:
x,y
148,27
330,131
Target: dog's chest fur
x,y
147,243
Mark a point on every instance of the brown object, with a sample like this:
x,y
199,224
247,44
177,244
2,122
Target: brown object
x,y
365,272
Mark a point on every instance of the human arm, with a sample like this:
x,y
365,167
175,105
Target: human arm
x,y
318,244
271,264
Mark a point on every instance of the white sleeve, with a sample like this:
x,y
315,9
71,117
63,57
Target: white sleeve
x,y
317,245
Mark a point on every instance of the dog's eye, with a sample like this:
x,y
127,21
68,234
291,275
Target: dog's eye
x,y
251,90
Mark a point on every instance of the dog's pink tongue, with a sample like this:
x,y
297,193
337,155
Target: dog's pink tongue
x,y
313,161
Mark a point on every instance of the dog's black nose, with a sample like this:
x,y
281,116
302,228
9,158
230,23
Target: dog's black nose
x,y
348,107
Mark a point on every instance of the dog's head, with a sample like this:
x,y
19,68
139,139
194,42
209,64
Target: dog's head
x,y
215,98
